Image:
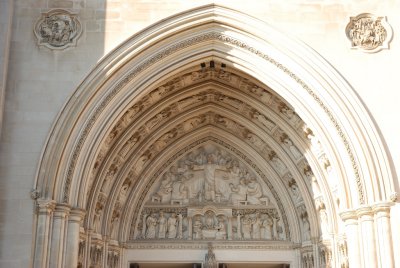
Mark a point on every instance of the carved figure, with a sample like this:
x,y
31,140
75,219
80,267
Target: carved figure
x,y
179,191
295,191
165,190
255,140
268,225
151,224
197,228
239,193
209,220
256,224
254,191
123,192
292,148
172,226
162,225
246,227
221,231
209,178
277,162
306,228
263,120
96,220
314,183
210,261
114,227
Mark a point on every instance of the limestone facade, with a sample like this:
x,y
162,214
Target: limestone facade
x,y
132,131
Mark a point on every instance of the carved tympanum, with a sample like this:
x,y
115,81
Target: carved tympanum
x,y
58,29
209,194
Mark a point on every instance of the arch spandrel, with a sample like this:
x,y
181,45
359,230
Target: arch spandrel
x,y
299,155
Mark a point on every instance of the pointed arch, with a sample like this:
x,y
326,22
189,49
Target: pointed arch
x,y
307,87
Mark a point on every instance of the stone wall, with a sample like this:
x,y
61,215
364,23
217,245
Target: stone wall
x,y
40,80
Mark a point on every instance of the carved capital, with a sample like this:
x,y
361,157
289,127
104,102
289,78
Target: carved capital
x,y
61,210
58,29
365,213
349,216
382,209
46,206
76,214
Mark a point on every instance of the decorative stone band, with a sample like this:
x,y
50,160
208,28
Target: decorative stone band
x,y
58,29
369,33
262,245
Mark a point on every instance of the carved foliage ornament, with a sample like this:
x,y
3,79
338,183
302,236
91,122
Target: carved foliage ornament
x,y
369,33
58,29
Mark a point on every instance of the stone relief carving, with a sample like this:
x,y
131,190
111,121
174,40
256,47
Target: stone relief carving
x,y
81,252
325,257
308,260
178,205
96,255
191,152
343,253
113,259
277,163
288,143
58,29
305,223
323,216
209,260
316,190
368,33
209,175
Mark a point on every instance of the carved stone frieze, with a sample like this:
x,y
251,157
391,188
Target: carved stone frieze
x,y
368,32
58,29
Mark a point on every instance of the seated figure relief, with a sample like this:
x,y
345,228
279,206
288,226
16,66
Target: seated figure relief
x,y
210,175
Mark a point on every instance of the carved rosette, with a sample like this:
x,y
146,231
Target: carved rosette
x,y
58,29
369,33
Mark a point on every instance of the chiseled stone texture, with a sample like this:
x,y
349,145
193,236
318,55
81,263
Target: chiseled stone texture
x,y
40,81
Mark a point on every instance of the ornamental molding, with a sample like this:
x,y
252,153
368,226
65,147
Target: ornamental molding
x,y
262,245
58,29
369,33
182,45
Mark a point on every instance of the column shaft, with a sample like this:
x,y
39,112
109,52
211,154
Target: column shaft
x,y
72,243
384,235
366,220
351,229
58,235
43,231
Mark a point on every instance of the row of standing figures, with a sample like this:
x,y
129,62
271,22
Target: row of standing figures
x,y
256,227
